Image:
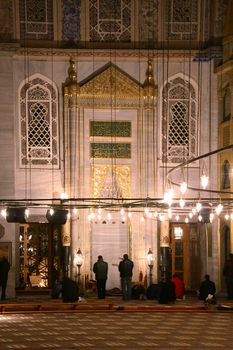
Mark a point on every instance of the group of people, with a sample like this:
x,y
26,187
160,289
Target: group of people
x,y
125,268
168,290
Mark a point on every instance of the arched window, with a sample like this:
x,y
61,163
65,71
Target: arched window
x,y
179,125
38,123
226,175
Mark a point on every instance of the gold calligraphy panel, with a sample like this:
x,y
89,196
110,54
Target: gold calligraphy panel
x,y
110,150
110,129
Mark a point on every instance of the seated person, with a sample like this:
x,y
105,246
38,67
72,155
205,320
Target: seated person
x,y
207,288
166,292
69,290
179,286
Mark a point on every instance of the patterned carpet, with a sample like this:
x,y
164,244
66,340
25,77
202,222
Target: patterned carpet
x,y
116,331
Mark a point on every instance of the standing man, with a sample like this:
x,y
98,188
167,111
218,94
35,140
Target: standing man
x,y
228,274
126,270
100,269
4,269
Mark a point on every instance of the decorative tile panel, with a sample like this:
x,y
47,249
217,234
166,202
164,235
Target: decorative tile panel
x,y
36,19
110,20
182,20
148,20
110,150
110,129
71,20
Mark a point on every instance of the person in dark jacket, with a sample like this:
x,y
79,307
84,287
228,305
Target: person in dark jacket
x,y
126,271
69,290
207,287
100,269
4,269
167,292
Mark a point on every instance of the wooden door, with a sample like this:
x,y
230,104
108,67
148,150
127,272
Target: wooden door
x,y
179,245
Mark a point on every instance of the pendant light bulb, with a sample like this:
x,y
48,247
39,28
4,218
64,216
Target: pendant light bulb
x,y
204,180
182,202
198,207
183,187
75,211
219,209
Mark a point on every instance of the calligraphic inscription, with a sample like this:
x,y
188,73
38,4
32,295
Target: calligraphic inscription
x,y
110,129
110,150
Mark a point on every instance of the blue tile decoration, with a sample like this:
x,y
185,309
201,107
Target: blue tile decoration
x,y
71,20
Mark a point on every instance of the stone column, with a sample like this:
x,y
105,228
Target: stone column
x,y
149,160
164,248
71,93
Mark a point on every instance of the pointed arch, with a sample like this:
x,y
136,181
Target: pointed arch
x,y
38,108
179,119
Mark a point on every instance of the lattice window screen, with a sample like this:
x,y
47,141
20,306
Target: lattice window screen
x,y
179,125
38,124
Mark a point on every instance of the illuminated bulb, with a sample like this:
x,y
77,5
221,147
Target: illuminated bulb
x,y
99,211
186,220
199,217
68,216
123,218
227,216
142,219
129,215
109,216
30,237
211,217
150,215
64,195
182,202
89,217
198,206
75,211
155,214
3,213
218,209
177,217
92,216
183,187
99,217
167,198
51,211
194,211
161,217
204,180
190,215
146,210
122,211
27,213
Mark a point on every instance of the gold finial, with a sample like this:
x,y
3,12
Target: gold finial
x,y
71,86
150,89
